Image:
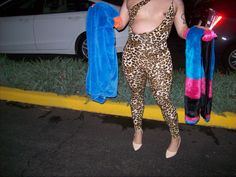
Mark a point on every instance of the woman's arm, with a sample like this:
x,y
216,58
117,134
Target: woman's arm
x,y
122,20
180,21
181,25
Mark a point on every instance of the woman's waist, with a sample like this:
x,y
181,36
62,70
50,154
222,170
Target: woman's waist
x,y
148,37
147,41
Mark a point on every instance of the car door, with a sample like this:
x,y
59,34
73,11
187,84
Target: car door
x,y
16,26
59,25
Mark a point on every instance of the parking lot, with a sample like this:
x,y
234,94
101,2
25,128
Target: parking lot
x,y
45,141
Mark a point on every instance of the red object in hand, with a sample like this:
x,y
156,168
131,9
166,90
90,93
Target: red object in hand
x,y
215,22
117,22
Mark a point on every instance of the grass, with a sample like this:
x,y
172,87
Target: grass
x,y
66,76
62,76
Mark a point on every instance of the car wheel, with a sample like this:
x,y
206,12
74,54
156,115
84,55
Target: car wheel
x,y
81,47
231,58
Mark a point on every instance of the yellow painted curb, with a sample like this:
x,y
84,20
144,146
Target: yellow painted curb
x,y
82,103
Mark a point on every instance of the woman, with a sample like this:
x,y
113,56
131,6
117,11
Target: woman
x,y
146,57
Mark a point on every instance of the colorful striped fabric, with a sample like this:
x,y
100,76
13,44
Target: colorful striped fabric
x,y
200,61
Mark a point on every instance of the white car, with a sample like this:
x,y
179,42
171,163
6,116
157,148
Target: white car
x,y
47,27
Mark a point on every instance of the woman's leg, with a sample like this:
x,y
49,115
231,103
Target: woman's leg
x,y
160,76
161,91
169,113
159,73
136,79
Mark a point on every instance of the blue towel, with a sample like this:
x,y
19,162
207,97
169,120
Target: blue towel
x,y
102,75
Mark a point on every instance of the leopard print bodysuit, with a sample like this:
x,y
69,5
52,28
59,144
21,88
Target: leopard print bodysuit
x,y
147,57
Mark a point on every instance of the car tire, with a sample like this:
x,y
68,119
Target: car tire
x,y
230,58
81,47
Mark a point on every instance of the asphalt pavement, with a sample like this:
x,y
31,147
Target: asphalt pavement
x,y
49,142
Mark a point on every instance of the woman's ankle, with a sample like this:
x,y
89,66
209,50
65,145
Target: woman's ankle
x,y
138,129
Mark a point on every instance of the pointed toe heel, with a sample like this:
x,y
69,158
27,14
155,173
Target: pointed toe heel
x,y
170,154
135,145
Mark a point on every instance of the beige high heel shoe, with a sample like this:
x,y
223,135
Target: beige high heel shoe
x,y
135,145
170,154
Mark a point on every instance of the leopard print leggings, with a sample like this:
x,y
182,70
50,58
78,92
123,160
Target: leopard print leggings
x,y
146,57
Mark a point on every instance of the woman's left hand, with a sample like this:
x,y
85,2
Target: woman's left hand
x,y
208,34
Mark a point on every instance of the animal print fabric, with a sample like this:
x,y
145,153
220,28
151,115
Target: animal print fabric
x,y
146,57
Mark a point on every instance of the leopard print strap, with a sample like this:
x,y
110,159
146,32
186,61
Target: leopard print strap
x,y
134,10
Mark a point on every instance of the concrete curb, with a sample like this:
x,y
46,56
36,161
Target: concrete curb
x,y
82,103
